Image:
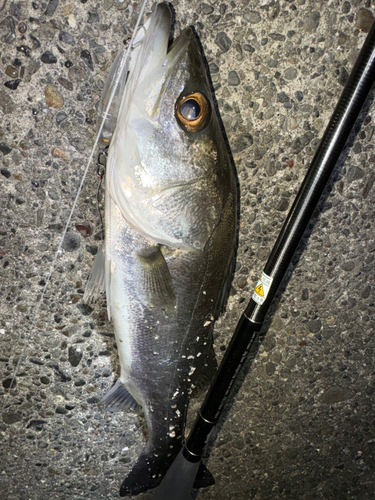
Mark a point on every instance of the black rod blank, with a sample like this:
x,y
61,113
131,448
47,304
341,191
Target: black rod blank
x,y
334,139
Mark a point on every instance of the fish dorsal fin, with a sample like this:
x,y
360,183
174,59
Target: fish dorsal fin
x,y
118,398
96,282
155,280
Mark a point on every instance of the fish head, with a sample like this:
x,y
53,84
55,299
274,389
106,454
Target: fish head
x,y
171,100
171,168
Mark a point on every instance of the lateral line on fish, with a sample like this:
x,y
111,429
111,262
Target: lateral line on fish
x,y
187,331
83,178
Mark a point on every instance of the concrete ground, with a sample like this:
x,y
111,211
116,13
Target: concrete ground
x,y
302,424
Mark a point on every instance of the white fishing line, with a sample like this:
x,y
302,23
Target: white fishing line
x,y
59,249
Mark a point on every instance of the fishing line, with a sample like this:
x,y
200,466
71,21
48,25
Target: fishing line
x,y
59,249
100,173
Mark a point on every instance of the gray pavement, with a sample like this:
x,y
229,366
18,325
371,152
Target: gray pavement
x,y
302,424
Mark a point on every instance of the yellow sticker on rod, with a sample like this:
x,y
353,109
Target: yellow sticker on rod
x,y
261,290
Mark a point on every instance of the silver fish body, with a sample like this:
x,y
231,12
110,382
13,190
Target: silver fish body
x,y
170,236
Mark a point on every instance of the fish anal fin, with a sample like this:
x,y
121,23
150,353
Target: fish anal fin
x,y
156,281
118,398
96,282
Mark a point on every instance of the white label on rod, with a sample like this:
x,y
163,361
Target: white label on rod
x,y
262,288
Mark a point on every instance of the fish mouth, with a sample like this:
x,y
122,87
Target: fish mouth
x,y
156,38
157,59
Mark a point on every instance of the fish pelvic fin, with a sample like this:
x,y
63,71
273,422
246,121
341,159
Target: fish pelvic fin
x,y
118,398
96,282
156,281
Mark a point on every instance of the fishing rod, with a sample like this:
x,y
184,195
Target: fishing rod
x,y
179,480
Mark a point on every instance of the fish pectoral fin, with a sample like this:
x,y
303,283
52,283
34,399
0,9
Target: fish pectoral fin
x,y
155,280
118,398
96,282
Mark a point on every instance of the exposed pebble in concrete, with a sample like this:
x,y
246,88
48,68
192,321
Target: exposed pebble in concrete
x,y
290,73
311,22
314,325
207,9
65,83
51,7
13,84
364,20
48,57
10,417
71,242
53,97
11,71
300,142
336,394
5,148
74,356
66,37
355,173
233,78
223,41
282,205
252,16
242,142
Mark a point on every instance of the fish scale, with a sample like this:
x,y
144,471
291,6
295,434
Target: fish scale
x,y
170,240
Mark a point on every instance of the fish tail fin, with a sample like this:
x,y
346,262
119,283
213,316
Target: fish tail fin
x,y
149,471
204,477
118,398
142,477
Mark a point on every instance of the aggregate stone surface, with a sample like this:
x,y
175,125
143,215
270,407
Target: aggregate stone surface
x,y
302,424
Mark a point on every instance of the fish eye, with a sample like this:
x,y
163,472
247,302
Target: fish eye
x,y
193,112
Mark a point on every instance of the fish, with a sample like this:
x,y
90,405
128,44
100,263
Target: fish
x,y
171,203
